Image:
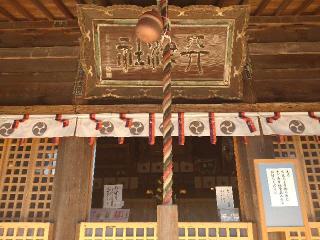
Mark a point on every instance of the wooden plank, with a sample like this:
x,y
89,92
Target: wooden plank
x,y
150,108
38,24
205,2
293,74
39,52
7,14
284,4
47,37
243,2
227,3
263,4
44,35
284,33
37,77
286,61
22,10
37,109
39,65
36,93
317,11
303,6
284,19
284,48
63,8
71,201
302,90
43,9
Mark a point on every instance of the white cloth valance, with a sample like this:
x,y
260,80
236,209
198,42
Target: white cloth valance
x,y
193,124
289,124
37,126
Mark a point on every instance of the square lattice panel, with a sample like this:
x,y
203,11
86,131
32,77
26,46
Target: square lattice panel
x,y
311,155
27,175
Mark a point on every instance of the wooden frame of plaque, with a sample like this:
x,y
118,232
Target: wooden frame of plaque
x,y
299,192
208,45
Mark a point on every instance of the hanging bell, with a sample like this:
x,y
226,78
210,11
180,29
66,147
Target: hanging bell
x,y
149,26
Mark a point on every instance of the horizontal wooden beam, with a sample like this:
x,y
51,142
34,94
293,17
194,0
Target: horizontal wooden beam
x,y
150,108
37,77
284,48
35,93
273,33
288,74
287,90
39,52
301,19
286,61
40,37
39,65
71,23
39,24
69,36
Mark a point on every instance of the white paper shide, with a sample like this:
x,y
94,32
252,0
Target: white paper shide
x,y
282,187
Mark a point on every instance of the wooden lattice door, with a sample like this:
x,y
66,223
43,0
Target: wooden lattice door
x,y
27,172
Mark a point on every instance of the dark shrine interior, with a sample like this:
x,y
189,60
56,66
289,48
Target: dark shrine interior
x,y
199,166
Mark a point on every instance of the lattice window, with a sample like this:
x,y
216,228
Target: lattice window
x,y
285,148
295,235
28,170
215,231
118,231
311,156
25,231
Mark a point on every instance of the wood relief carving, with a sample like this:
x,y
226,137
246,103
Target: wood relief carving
x,y
208,45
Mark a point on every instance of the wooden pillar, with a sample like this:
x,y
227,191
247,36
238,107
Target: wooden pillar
x,y
72,187
167,221
257,147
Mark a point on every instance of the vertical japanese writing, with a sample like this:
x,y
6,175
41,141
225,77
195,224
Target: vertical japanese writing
x,y
124,56
194,51
282,187
142,55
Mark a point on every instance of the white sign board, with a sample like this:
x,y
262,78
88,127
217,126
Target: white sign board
x,y
112,197
224,197
281,187
109,215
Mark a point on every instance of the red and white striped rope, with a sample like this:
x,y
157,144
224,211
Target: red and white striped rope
x,y
166,108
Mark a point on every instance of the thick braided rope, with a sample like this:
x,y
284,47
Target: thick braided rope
x,y
166,108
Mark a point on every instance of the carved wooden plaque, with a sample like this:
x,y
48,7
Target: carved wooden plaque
x,y
208,45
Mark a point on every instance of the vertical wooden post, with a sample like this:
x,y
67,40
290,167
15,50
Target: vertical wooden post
x,y
167,222
257,147
72,187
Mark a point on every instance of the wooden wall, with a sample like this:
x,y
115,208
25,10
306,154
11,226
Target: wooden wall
x,y
39,60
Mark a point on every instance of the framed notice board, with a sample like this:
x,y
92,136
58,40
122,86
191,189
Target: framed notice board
x,y
280,196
